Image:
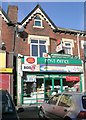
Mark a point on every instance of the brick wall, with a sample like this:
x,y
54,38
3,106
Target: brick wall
x,y
7,36
23,47
46,31
13,13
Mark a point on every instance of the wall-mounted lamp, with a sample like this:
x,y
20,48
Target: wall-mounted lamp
x,y
3,46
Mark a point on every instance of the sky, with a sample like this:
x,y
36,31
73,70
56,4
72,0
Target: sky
x,y
63,14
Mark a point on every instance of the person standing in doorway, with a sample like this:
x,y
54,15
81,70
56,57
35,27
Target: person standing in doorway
x,y
34,86
48,93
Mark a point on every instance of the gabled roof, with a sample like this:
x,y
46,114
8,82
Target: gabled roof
x,y
40,11
4,15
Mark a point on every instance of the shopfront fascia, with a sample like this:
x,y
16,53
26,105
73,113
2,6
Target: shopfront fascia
x,y
5,78
56,73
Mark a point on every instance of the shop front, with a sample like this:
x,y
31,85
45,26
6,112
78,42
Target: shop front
x,y
43,77
5,73
5,79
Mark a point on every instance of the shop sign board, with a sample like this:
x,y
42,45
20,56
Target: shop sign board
x,y
30,60
74,68
5,82
59,47
55,55
51,68
58,61
46,55
2,59
56,68
32,68
6,70
73,78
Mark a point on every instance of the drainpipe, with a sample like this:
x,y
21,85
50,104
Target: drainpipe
x,y
83,77
78,45
81,81
19,80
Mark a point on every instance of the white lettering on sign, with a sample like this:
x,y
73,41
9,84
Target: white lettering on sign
x,y
62,61
59,61
50,60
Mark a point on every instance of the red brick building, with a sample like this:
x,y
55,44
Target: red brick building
x,y
48,29
43,37
6,45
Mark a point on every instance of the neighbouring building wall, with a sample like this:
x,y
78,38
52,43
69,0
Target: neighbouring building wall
x,y
85,75
7,36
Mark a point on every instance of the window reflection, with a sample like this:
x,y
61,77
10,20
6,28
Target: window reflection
x,y
66,101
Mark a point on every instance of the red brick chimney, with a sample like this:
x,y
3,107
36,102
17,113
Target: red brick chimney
x,y
13,13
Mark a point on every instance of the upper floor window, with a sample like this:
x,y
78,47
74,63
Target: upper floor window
x,y
38,47
83,46
85,52
37,21
68,48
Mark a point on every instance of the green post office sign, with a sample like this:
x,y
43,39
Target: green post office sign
x,y
72,61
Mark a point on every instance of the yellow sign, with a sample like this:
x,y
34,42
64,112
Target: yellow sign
x,y
2,59
6,70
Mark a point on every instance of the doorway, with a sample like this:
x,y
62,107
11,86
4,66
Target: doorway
x,y
51,87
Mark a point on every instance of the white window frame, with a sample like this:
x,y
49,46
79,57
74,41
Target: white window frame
x,y
83,42
84,52
41,25
70,47
84,47
33,37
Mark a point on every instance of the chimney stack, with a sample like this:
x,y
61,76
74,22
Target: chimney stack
x,y
13,13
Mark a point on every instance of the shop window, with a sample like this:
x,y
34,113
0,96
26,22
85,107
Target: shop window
x,y
37,21
38,47
68,48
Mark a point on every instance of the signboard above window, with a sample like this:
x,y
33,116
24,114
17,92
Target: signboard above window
x,y
72,78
